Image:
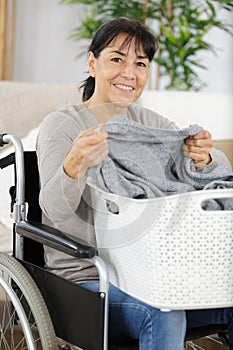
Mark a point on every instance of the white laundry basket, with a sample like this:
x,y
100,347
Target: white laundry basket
x,y
167,252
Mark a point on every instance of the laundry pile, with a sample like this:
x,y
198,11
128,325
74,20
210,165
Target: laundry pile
x,y
146,162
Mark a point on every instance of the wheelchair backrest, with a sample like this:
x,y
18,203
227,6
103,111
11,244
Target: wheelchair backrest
x,y
33,251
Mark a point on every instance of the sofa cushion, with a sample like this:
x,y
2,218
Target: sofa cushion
x,y
24,105
225,146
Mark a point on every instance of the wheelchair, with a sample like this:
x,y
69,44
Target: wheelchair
x,y
41,310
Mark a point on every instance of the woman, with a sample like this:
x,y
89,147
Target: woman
x,y
72,140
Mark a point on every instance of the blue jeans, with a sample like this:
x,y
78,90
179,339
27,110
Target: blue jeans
x,y
130,318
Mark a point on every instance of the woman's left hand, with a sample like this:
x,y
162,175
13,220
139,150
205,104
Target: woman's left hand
x,y
198,148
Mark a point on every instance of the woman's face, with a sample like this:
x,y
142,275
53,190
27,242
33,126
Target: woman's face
x,y
120,73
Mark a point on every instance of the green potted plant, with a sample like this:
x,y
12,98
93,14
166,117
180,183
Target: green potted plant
x,y
181,26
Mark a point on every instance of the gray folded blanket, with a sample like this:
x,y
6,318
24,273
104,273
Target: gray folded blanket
x,y
146,162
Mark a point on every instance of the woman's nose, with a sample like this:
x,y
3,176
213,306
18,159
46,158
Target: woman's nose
x,y
128,71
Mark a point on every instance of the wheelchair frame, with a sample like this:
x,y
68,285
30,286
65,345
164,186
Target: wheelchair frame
x,y
31,235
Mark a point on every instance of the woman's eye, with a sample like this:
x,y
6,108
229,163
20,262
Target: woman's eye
x,y
116,59
141,64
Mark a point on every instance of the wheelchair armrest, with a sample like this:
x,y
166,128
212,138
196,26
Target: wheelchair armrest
x,y
56,239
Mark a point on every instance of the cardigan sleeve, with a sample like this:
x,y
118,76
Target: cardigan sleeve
x,y
60,195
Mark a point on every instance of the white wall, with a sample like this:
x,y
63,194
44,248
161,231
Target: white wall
x,y
212,111
45,54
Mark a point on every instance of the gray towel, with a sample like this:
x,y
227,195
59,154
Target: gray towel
x,y
220,203
146,162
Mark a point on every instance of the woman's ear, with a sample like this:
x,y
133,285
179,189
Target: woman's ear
x,y
91,63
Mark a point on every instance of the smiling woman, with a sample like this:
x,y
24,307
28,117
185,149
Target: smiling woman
x,y
74,140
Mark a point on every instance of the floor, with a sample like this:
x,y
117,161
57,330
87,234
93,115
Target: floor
x,y
17,343
206,344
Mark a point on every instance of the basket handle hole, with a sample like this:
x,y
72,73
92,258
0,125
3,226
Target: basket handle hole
x,y
112,207
216,204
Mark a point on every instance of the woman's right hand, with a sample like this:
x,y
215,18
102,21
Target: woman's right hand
x,y
89,149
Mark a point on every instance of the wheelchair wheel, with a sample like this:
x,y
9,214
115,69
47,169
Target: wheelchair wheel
x,y
24,319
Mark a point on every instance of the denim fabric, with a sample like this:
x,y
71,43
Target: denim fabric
x,y
130,318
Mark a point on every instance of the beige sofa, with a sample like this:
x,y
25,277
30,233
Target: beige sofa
x,y
24,105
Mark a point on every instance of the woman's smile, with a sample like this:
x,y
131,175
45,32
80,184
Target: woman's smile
x,y
124,87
